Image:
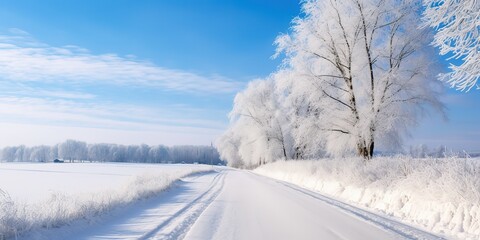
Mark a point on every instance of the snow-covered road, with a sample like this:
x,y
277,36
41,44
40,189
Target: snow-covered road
x,y
235,204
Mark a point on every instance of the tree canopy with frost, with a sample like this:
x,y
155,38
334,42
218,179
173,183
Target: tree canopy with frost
x,y
257,133
458,35
364,68
356,74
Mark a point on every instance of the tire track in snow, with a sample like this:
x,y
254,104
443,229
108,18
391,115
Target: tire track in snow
x,y
178,225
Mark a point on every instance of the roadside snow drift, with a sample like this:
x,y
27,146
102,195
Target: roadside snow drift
x,y
440,195
62,193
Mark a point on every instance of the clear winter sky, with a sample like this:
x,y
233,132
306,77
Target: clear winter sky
x,y
155,72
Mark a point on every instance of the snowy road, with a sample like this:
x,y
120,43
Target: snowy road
x,y
234,204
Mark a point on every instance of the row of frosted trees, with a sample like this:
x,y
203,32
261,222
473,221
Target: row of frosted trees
x,y
356,75
72,150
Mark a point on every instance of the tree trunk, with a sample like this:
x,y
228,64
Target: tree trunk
x,y
285,153
371,147
365,150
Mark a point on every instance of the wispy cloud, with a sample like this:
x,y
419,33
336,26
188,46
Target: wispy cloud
x,y
49,94
65,112
64,94
38,120
33,134
24,59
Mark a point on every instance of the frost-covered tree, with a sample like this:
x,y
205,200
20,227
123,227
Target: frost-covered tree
x,y
258,126
363,68
305,138
8,154
99,152
227,145
19,153
118,153
39,154
257,109
73,150
159,154
457,23
142,153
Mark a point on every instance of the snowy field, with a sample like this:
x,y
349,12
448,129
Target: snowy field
x,y
45,195
438,195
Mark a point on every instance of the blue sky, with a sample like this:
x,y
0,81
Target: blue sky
x,y
155,72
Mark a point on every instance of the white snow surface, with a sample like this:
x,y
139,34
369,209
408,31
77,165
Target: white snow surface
x,y
439,195
235,204
36,196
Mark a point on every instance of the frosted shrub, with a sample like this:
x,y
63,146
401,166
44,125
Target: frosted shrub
x,y
9,222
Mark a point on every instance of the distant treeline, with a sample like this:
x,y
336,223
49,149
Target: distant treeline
x,y
72,150
442,151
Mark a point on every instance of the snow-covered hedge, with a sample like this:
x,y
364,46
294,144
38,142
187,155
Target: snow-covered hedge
x,y
440,195
61,209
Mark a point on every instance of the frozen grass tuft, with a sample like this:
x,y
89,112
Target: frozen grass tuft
x,y
440,195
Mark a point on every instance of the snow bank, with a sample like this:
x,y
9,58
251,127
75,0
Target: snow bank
x,y
440,195
17,217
